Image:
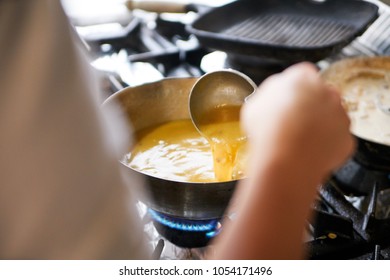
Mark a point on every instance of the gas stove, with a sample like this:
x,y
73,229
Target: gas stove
x,y
348,223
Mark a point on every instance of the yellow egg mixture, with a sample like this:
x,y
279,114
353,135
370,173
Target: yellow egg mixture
x,y
176,151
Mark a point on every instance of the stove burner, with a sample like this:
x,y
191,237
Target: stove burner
x,y
183,232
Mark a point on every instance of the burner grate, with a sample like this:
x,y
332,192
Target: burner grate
x,y
349,232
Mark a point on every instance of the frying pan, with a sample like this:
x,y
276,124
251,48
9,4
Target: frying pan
x,y
371,154
286,30
155,103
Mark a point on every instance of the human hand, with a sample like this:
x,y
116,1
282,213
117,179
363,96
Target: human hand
x,y
294,115
298,132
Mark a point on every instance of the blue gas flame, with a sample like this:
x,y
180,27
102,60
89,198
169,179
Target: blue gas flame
x,y
211,227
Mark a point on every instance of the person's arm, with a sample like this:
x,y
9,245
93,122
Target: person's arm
x,y
298,133
62,195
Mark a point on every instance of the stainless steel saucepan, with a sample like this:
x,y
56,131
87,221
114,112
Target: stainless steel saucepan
x,y
155,103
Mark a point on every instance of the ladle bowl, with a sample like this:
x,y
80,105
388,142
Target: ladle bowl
x,y
219,88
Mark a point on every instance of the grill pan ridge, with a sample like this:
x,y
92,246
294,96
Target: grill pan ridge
x,y
289,30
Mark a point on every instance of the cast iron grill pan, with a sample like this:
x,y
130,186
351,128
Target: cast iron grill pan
x,y
286,30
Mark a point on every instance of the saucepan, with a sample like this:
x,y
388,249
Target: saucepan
x,y
362,76
156,103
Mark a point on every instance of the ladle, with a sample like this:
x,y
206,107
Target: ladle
x,y
225,87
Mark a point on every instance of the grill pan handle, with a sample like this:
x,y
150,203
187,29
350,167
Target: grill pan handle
x,y
158,6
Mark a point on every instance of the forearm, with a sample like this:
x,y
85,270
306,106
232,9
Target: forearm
x,y
273,207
